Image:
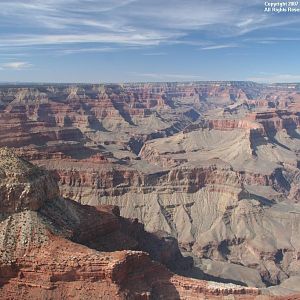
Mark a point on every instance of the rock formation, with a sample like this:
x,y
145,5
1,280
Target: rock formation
x,y
56,248
215,165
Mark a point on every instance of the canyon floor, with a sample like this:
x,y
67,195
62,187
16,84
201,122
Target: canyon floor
x,y
210,168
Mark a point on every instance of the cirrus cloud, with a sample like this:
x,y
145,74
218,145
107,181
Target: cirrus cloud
x,y
128,22
16,65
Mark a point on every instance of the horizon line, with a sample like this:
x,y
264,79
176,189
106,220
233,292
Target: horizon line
x,y
131,82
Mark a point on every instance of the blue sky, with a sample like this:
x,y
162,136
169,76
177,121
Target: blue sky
x,y
147,40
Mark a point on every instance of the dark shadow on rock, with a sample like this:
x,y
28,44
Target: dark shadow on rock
x,y
293,133
101,228
223,280
262,200
124,114
273,140
97,125
136,144
82,153
161,246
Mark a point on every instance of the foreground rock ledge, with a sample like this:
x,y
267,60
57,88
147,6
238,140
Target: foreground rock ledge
x,y
41,260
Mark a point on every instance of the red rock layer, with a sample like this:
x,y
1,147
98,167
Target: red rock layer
x,y
56,251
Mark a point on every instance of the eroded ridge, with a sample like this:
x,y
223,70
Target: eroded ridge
x,y
61,249
215,165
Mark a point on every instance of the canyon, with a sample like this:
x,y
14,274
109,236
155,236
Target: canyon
x,y
210,168
55,248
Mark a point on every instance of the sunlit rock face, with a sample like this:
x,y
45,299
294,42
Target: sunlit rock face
x,y
215,165
59,249
23,186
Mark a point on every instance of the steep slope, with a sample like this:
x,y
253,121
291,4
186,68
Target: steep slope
x,y
213,164
43,252
228,194
244,196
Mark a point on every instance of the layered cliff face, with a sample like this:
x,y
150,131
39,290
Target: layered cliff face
x,y
213,164
247,202
60,249
22,185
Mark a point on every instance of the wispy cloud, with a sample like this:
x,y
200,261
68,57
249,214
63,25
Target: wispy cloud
x,y
275,78
273,39
130,22
154,53
86,50
16,65
146,38
43,31
167,76
215,47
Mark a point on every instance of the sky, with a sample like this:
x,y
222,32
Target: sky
x,y
97,41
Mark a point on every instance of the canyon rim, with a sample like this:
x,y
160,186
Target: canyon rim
x,y
211,170
149,150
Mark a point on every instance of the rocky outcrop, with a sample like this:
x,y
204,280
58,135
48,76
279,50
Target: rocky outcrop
x,y
23,186
213,164
55,249
243,186
188,180
276,120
